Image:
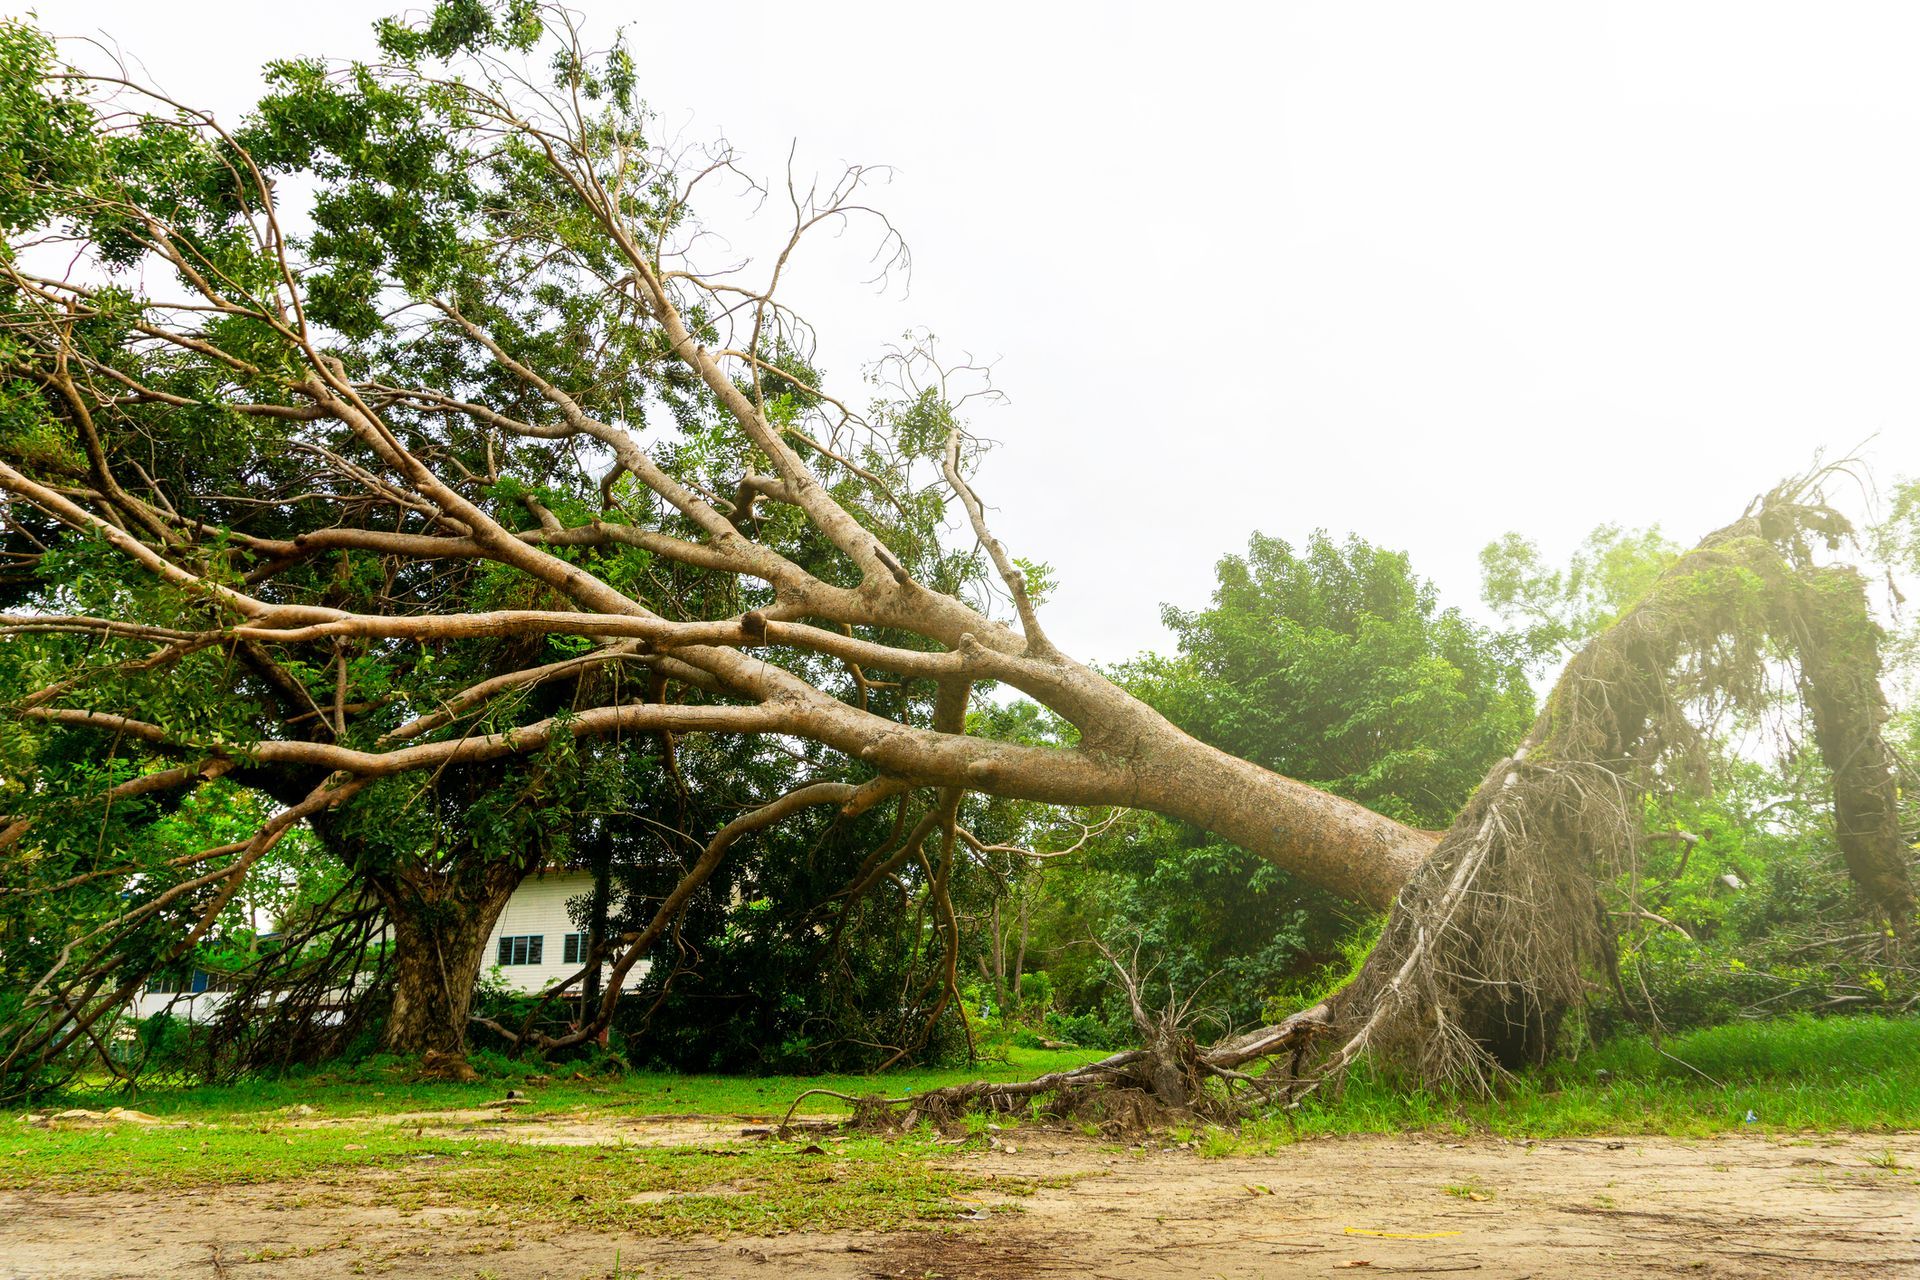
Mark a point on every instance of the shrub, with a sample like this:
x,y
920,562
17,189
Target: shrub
x,y
1036,990
1085,1030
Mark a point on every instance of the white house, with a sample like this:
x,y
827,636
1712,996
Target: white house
x,y
534,944
192,994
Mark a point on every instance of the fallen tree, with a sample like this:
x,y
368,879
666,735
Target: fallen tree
x,y
494,393
1506,928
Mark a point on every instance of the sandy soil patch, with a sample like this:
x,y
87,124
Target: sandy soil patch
x,y
1726,1207
589,1128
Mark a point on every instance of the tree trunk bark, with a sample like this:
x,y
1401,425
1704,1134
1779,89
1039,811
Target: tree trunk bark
x,y
999,962
597,910
438,933
1131,756
1330,841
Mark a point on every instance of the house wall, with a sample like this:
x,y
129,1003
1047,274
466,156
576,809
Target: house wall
x,y
538,908
190,1008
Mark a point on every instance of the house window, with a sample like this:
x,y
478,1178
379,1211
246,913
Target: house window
x,y
190,982
574,948
522,949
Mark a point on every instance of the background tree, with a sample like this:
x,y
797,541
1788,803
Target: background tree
x,y
1896,542
1335,665
1563,608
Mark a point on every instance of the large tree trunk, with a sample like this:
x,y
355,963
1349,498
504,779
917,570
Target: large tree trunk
x,y
1133,757
1323,838
439,931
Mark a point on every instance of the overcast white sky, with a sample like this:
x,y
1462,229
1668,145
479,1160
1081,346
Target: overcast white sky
x,y
1422,272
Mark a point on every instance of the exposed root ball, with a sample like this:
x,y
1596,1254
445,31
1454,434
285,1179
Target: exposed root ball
x,y
1504,929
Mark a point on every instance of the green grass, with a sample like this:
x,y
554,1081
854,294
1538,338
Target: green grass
x,y
864,1182
1860,1074
1852,1074
258,1133
385,1087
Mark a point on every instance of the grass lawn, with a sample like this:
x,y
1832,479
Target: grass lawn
x,y
860,1183
1850,1074
382,1087
270,1132
1791,1075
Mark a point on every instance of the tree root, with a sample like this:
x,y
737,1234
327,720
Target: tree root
x,y
435,1065
1129,1091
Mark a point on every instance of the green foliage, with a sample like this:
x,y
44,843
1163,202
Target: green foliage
x,y
1896,538
1036,990
1896,543
408,193
1562,608
355,219
46,141
1087,1031
455,26
770,968
1206,916
1038,578
1308,989
1742,908
1335,665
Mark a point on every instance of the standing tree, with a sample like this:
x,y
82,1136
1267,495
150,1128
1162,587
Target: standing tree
x,y
1334,664
494,384
1562,609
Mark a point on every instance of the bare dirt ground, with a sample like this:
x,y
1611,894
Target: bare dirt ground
x,y
1613,1208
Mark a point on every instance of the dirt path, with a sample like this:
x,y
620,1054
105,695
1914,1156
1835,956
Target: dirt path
x,y
1617,1209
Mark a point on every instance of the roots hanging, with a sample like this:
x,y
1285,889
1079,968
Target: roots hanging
x,y
1503,931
